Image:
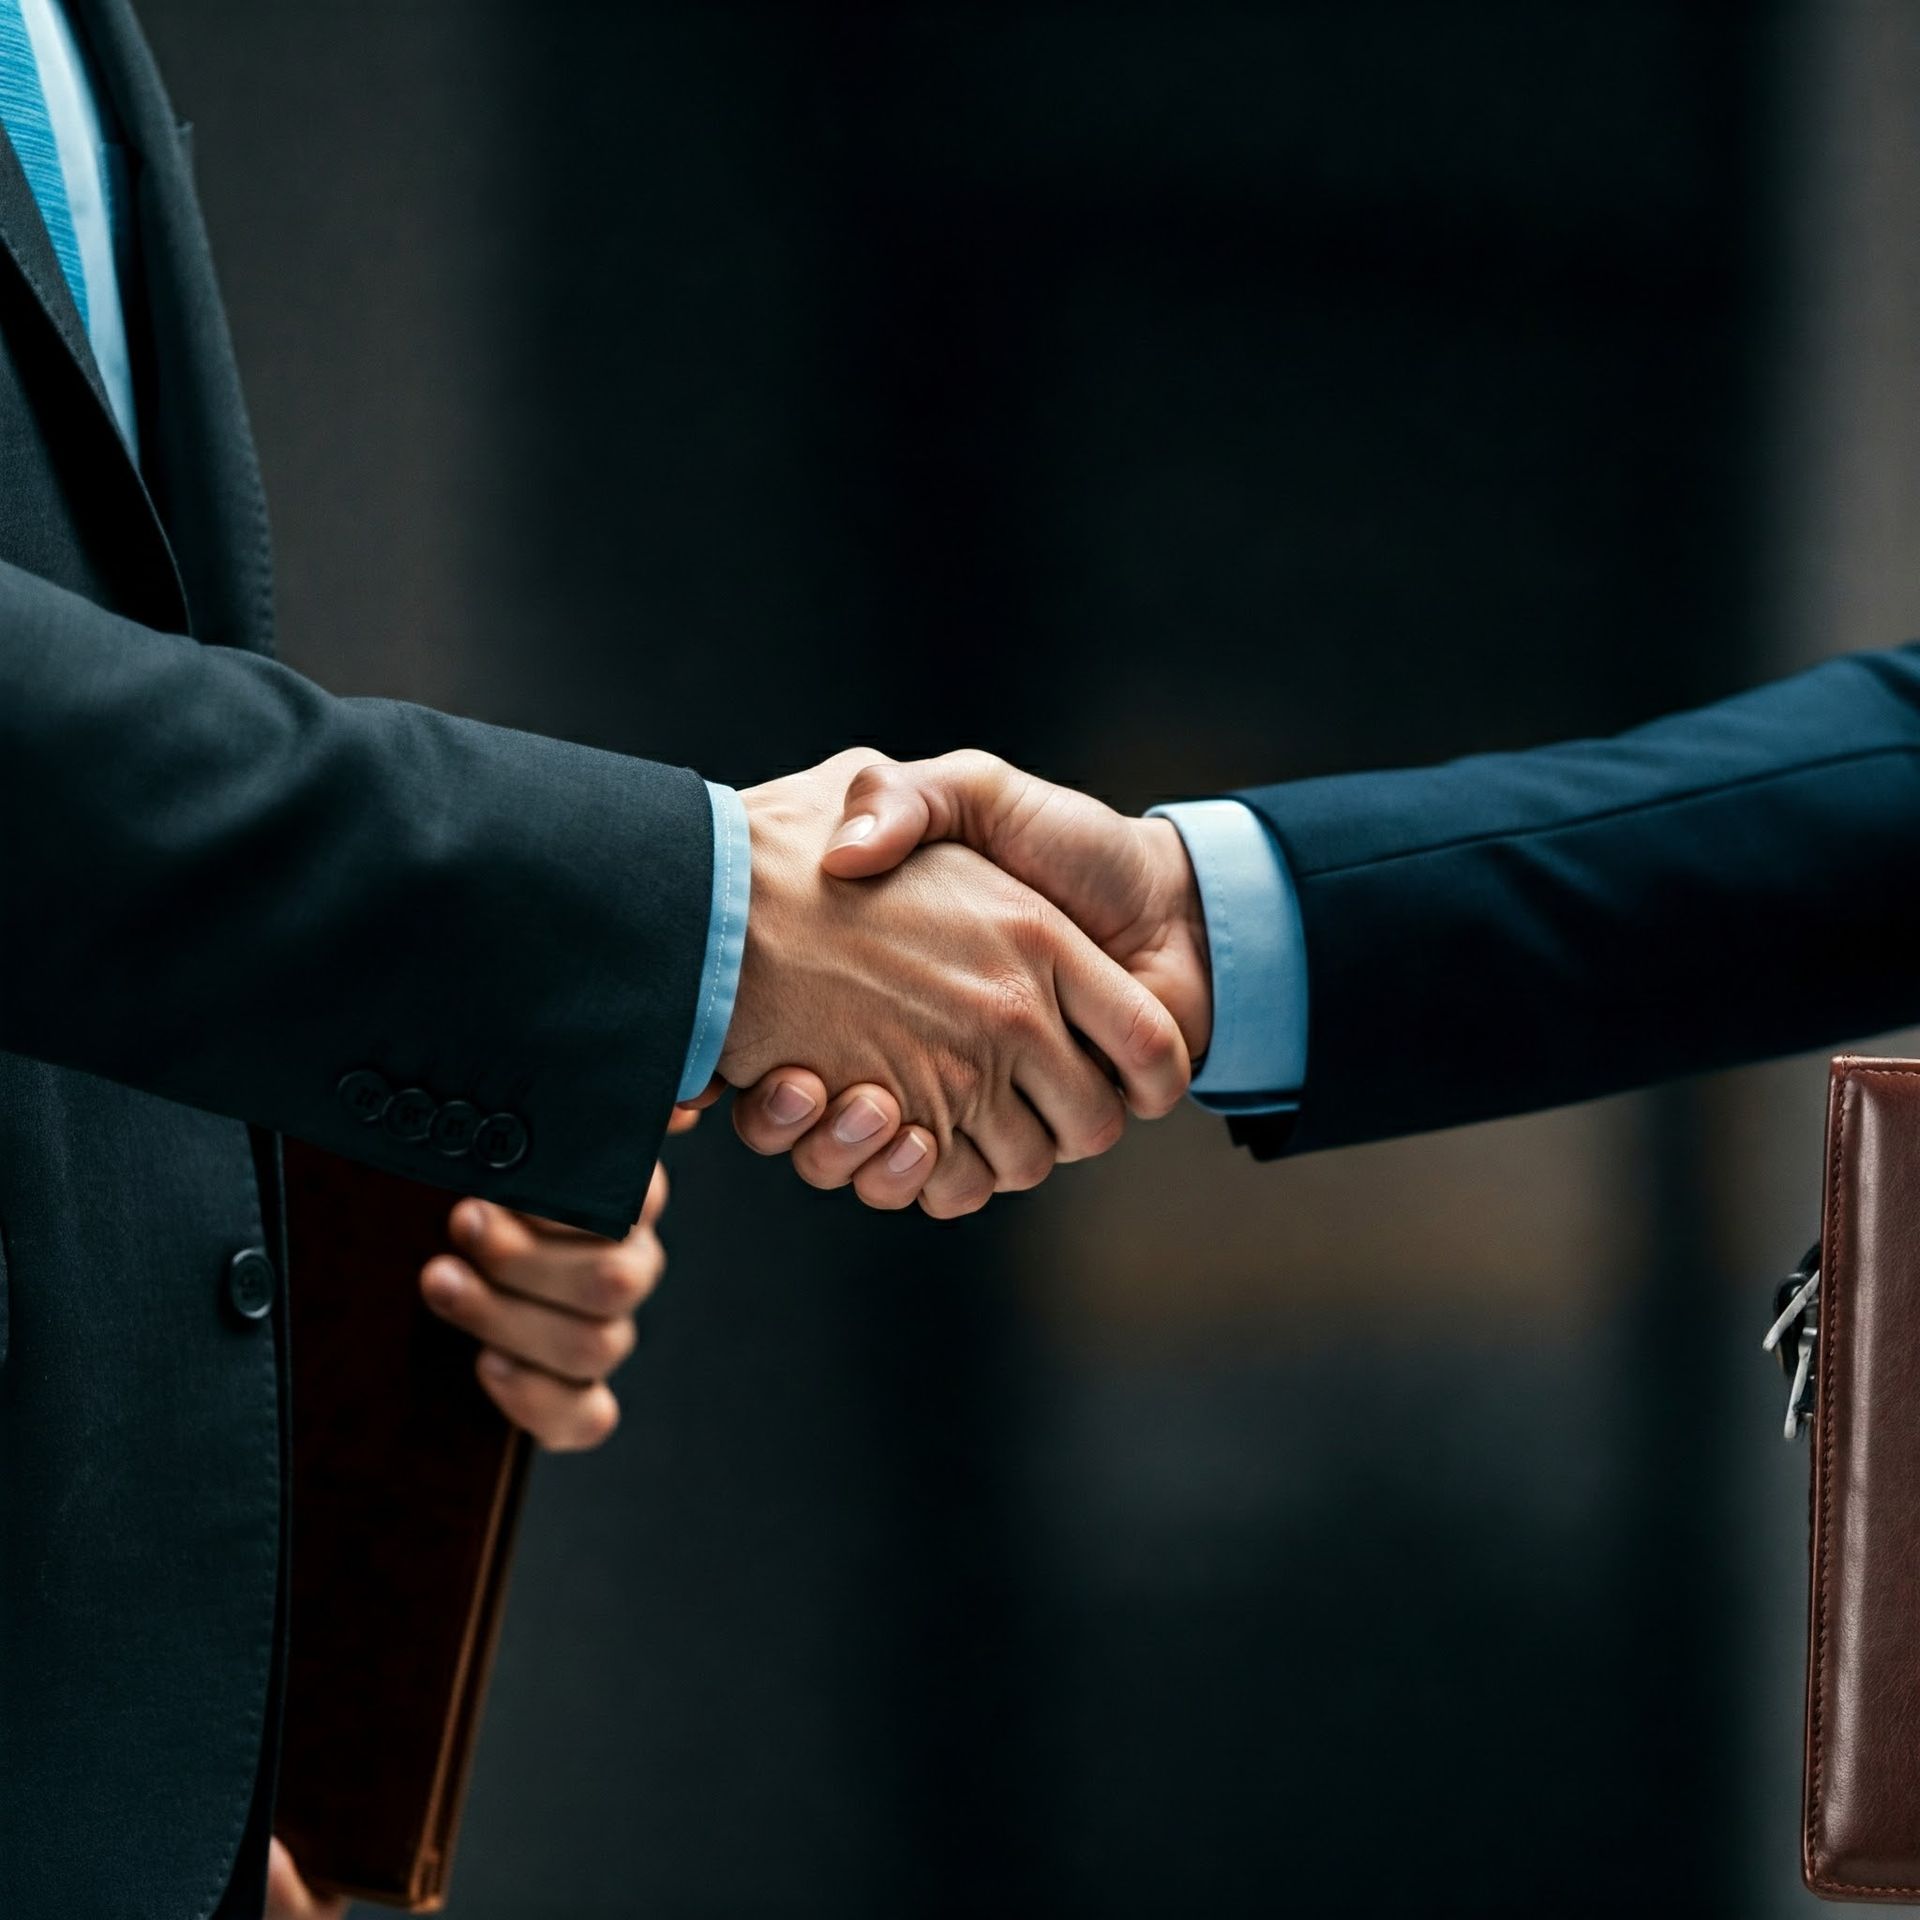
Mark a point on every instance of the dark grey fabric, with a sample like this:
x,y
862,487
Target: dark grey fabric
x,y
222,889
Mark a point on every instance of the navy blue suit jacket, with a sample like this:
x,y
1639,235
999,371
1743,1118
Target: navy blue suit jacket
x,y
1520,930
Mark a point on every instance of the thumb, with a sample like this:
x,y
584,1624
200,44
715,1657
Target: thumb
x,y
893,807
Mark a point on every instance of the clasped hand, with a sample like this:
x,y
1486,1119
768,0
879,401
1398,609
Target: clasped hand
x,y
1010,995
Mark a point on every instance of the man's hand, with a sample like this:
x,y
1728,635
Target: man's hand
x,y
950,985
1127,883
552,1308
290,1898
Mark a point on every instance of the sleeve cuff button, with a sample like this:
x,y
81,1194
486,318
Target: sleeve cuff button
x,y
365,1095
501,1142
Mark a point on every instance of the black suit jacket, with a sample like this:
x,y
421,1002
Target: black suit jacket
x,y
1519,930
221,891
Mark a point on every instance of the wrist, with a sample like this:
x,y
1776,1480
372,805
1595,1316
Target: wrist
x,y
1181,970
805,933
1176,886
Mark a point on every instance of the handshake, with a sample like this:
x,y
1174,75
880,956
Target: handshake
x,y
969,1016
957,977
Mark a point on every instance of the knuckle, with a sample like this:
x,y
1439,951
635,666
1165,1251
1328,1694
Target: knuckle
x,y
652,1259
1097,1136
1152,1041
1025,1169
502,1236
871,781
959,1197
960,1076
1015,1008
616,1342
591,1348
1028,924
813,1165
1150,1032
617,1282
586,1421
975,763
598,1417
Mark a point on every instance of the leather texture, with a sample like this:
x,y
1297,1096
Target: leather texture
x,y
1861,1836
406,1485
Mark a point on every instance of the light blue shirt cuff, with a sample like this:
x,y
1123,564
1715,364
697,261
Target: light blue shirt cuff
x,y
726,938
1257,1059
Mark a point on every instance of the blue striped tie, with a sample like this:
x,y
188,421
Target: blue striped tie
x,y
23,112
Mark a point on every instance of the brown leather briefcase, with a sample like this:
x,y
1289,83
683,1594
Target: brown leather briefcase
x,y
1848,1327
406,1483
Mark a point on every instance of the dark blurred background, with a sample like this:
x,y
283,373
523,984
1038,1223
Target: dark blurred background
x,y
1167,396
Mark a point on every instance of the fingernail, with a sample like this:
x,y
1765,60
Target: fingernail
x,y
910,1151
788,1105
469,1222
496,1366
861,1121
853,831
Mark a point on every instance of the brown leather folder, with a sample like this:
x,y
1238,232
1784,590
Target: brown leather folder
x,y
406,1484
1861,1804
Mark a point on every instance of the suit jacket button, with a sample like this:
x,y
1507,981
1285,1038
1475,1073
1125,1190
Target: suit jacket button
x,y
250,1284
501,1142
410,1117
365,1095
454,1127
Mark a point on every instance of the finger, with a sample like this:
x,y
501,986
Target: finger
x,y
772,1115
461,1224
859,1124
700,1102
1138,1036
563,1417
961,1183
288,1895
655,1203
1012,1139
577,1271
894,1179
685,1117
568,1344
1081,1107
891,808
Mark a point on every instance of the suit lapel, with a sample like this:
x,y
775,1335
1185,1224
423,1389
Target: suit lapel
x,y
23,233
196,448
24,241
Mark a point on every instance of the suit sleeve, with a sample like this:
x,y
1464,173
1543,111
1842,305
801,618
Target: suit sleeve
x,y
222,885
1517,931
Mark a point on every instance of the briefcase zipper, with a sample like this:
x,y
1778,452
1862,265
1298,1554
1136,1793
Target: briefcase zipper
x,y
1794,1335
